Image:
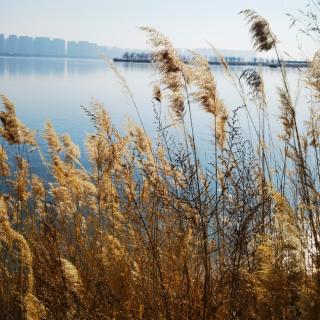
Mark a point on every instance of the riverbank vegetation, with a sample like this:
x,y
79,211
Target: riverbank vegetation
x,y
150,232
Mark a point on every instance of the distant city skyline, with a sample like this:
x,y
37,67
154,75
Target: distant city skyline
x,y
188,23
17,45
22,45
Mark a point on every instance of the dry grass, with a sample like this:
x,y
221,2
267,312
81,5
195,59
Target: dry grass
x,y
147,232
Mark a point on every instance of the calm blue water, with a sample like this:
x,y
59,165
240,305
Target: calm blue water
x,y
54,89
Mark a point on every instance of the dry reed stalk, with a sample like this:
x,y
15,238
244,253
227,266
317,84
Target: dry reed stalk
x,y
137,225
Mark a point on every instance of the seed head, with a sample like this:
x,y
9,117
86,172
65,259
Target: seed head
x,y
262,37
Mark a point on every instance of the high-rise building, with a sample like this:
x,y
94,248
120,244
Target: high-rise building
x,y
11,44
72,49
44,46
87,49
41,46
57,47
92,50
82,49
24,46
2,44
111,52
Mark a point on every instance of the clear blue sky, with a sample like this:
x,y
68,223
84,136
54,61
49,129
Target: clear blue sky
x,y
188,23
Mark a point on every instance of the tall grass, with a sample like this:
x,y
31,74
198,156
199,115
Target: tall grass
x,y
148,232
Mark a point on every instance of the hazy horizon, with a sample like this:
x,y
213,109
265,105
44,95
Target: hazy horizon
x,y
188,24
146,48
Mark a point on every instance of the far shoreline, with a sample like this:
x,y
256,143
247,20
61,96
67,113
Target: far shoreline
x,y
290,64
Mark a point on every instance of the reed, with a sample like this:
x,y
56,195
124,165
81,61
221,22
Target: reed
x,y
147,230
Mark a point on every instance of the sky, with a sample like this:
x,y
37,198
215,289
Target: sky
x,y
187,23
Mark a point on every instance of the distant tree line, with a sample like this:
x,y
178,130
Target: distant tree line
x,y
138,56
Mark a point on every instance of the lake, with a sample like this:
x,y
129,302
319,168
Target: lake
x,y
54,89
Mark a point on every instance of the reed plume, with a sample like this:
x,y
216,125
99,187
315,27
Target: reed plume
x,y
287,115
206,94
72,275
172,70
255,83
13,130
4,166
262,36
53,141
313,75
